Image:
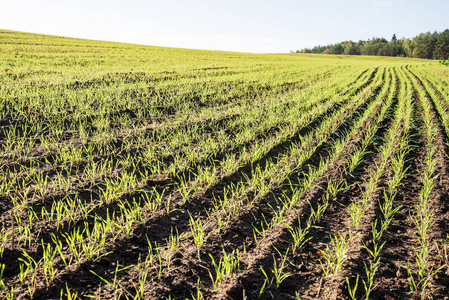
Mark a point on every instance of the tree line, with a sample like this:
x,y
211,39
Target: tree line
x,y
425,45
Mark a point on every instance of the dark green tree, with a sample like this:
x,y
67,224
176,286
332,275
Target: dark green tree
x,y
407,47
424,45
394,39
442,45
337,49
350,48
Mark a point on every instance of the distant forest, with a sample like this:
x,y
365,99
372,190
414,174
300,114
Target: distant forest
x,y
426,45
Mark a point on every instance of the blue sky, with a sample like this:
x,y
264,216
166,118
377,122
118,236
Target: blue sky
x,y
235,25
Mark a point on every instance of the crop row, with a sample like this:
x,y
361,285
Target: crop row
x,y
293,178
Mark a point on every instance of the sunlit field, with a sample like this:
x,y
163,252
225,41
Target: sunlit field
x,y
138,172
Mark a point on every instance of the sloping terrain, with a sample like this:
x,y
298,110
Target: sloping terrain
x,y
136,172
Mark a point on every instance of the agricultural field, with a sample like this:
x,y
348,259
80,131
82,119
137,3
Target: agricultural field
x,y
137,172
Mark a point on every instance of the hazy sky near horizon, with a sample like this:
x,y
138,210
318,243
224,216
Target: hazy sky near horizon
x,y
235,25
